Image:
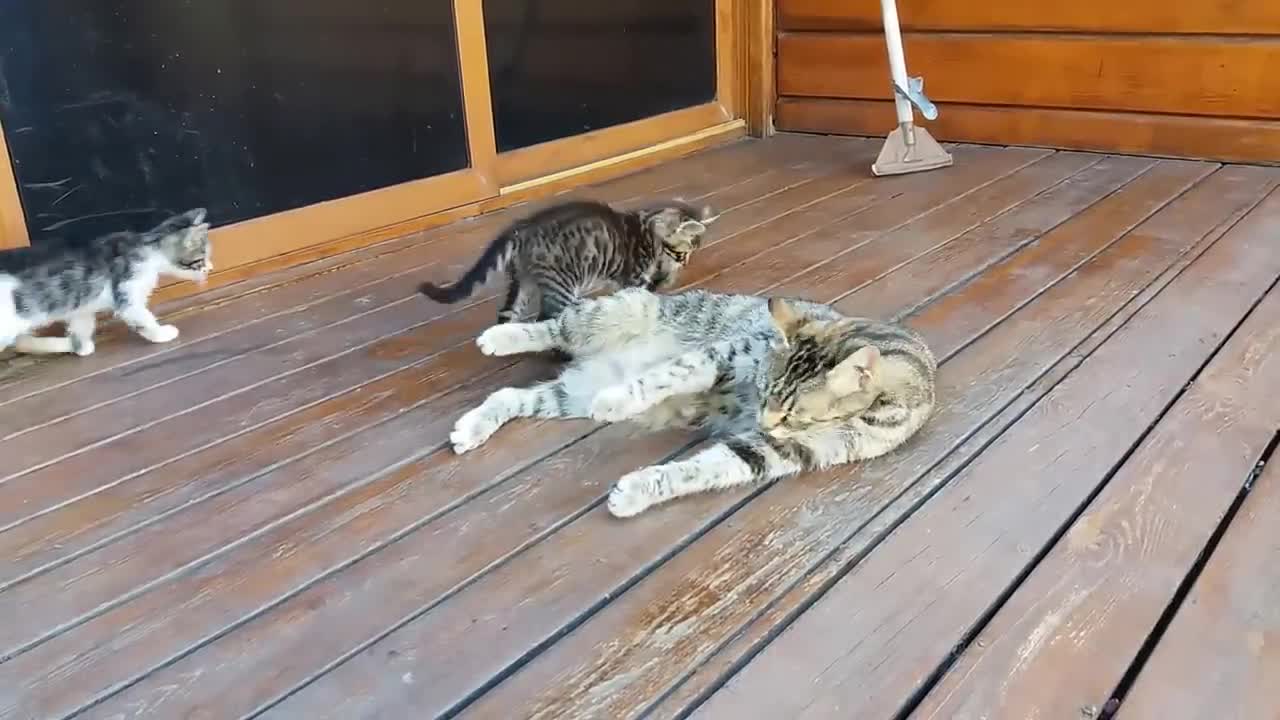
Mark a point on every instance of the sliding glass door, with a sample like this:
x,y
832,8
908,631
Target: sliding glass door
x,y
296,122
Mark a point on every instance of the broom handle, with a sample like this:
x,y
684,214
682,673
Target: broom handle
x,y
897,61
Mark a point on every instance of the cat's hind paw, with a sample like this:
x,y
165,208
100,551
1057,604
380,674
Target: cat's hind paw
x,y
162,334
472,430
615,404
636,492
508,339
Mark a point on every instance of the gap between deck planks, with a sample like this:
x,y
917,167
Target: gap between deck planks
x,y
1219,657
899,207
532,577
976,153
1066,637
903,609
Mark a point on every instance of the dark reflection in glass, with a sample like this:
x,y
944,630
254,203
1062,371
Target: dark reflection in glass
x,y
118,112
563,67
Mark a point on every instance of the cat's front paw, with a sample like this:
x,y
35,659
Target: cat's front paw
x,y
162,334
635,492
504,339
614,404
83,348
471,431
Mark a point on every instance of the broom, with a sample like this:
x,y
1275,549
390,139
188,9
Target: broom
x,y
908,148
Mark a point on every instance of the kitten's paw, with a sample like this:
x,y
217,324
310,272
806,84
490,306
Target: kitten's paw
x,y
83,348
163,334
505,339
635,492
614,404
471,431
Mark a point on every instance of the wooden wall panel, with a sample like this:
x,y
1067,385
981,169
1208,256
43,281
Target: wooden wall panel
x,y
1226,17
1147,74
1193,79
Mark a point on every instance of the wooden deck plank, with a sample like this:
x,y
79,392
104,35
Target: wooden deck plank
x,y
1066,636
267,314
1219,659
525,610
297,617
46,427
946,563
712,672
83,591
50,485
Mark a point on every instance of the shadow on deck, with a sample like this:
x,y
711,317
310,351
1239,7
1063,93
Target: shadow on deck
x,y
264,518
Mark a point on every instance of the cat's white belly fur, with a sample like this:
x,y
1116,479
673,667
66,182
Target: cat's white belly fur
x,y
585,377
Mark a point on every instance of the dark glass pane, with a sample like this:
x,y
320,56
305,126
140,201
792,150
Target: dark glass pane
x,y
118,112
564,67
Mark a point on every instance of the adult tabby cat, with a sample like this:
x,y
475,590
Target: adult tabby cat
x,y
562,252
784,385
72,282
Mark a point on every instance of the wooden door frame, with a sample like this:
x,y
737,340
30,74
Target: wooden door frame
x,y
744,50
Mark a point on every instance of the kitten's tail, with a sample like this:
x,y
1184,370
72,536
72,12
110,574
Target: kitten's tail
x,y
494,257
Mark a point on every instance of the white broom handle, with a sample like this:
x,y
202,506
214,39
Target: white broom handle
x,y
897,61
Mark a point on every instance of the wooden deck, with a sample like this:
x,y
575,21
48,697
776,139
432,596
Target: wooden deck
x,y
264,519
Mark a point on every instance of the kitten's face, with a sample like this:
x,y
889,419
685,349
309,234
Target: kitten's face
x,y
805,389
185,245
680,227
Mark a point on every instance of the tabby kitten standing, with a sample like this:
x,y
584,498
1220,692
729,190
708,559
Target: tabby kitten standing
x,y
785,386
560,253
61,281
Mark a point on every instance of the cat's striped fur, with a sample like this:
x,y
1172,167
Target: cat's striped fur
x,y
72,282
784,386
559,254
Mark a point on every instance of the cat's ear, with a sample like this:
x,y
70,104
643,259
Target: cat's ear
x,y
785,317
855,372
195,216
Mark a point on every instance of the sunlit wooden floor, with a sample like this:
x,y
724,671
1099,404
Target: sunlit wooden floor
x,y
264,519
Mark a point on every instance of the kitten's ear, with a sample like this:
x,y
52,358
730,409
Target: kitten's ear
x,y
196,216
665,222
855,372
785,317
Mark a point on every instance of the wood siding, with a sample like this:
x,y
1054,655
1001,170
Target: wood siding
x,y
1201,82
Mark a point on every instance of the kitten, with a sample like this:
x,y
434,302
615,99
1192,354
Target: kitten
x,y
785,386
60,281
560,253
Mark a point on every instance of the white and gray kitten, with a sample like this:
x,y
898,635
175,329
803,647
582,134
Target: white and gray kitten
x,y
784,386
59,281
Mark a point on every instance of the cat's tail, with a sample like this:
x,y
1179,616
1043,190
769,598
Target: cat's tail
x,y
495,257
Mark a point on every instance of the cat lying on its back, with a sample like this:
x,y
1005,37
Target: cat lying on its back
x,y
784,385
60,281
558,254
